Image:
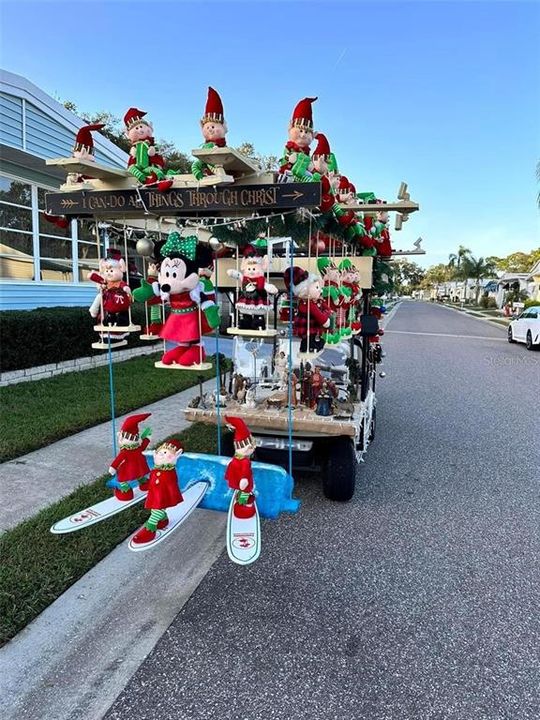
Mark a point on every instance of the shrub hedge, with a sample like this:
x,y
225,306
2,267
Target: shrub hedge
x,y
51,335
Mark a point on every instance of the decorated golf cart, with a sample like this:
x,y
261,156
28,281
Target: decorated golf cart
x,y
289,268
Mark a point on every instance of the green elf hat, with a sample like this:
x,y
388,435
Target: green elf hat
x,y
332,163
176,245
346,264
323,264
260,244
367,197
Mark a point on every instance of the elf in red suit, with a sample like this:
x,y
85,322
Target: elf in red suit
x,y
130,463
163,490
300,137
312,315
239,474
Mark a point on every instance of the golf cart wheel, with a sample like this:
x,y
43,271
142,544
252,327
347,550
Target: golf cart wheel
x,y
339,477
510,336
373,426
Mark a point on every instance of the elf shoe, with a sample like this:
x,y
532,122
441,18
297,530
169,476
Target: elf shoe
x,y
164,185
123,496
154,329
144,485
144,536
173,355
163,523
192,356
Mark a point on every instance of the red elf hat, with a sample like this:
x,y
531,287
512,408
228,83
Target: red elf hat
x,y
130,426
303,113
344,183
213,111
323,146
172,445
134,116
84,137
242,434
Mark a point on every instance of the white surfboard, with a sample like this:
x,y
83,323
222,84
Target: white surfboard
x,y
96,513
177,514
243,536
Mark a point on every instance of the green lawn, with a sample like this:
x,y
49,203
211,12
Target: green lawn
x,y
37,413
37,566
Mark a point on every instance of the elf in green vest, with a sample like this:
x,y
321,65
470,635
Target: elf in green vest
x,y
145,163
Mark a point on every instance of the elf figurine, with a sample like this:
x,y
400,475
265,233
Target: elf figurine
x,y
130,464
295,162
253,300
312,316
332,296
193,312
238,473
350,280
83,150
145,163
214,131
163,490
114,292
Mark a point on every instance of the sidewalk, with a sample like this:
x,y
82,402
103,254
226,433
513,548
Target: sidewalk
x,y
498,320
76,657
33,481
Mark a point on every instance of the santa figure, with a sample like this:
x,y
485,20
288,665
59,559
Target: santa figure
x,y
295,158
163,490
145,163
312,315
214,131
130,464
238,473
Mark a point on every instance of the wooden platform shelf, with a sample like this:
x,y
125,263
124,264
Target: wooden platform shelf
x,y
401,206
93,169
117,328
149,338
229,159
105,345
270,419
175,366
269,332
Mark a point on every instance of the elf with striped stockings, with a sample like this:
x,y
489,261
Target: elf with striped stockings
x,y
130,464
145,163
163,490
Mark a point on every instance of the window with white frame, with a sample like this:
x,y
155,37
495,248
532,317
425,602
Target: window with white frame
x,y
31,248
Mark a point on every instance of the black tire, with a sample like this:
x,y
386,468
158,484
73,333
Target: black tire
x,y
339,476
528,342
373,426
510,336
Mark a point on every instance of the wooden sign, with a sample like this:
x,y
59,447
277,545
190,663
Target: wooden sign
x,y
228,201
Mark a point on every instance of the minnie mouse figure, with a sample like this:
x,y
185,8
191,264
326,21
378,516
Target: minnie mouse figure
x,y
193,312
253,302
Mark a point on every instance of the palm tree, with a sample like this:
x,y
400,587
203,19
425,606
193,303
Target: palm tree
x,y
478,269
455,264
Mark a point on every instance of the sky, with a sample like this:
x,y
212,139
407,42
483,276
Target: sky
x,y
442,95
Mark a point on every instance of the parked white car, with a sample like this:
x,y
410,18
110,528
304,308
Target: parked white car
x,y
526,328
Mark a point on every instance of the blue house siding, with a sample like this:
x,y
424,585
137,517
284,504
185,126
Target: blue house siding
x,y
11,121
29,295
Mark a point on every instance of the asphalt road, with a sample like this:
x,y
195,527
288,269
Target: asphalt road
x,y
418,599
